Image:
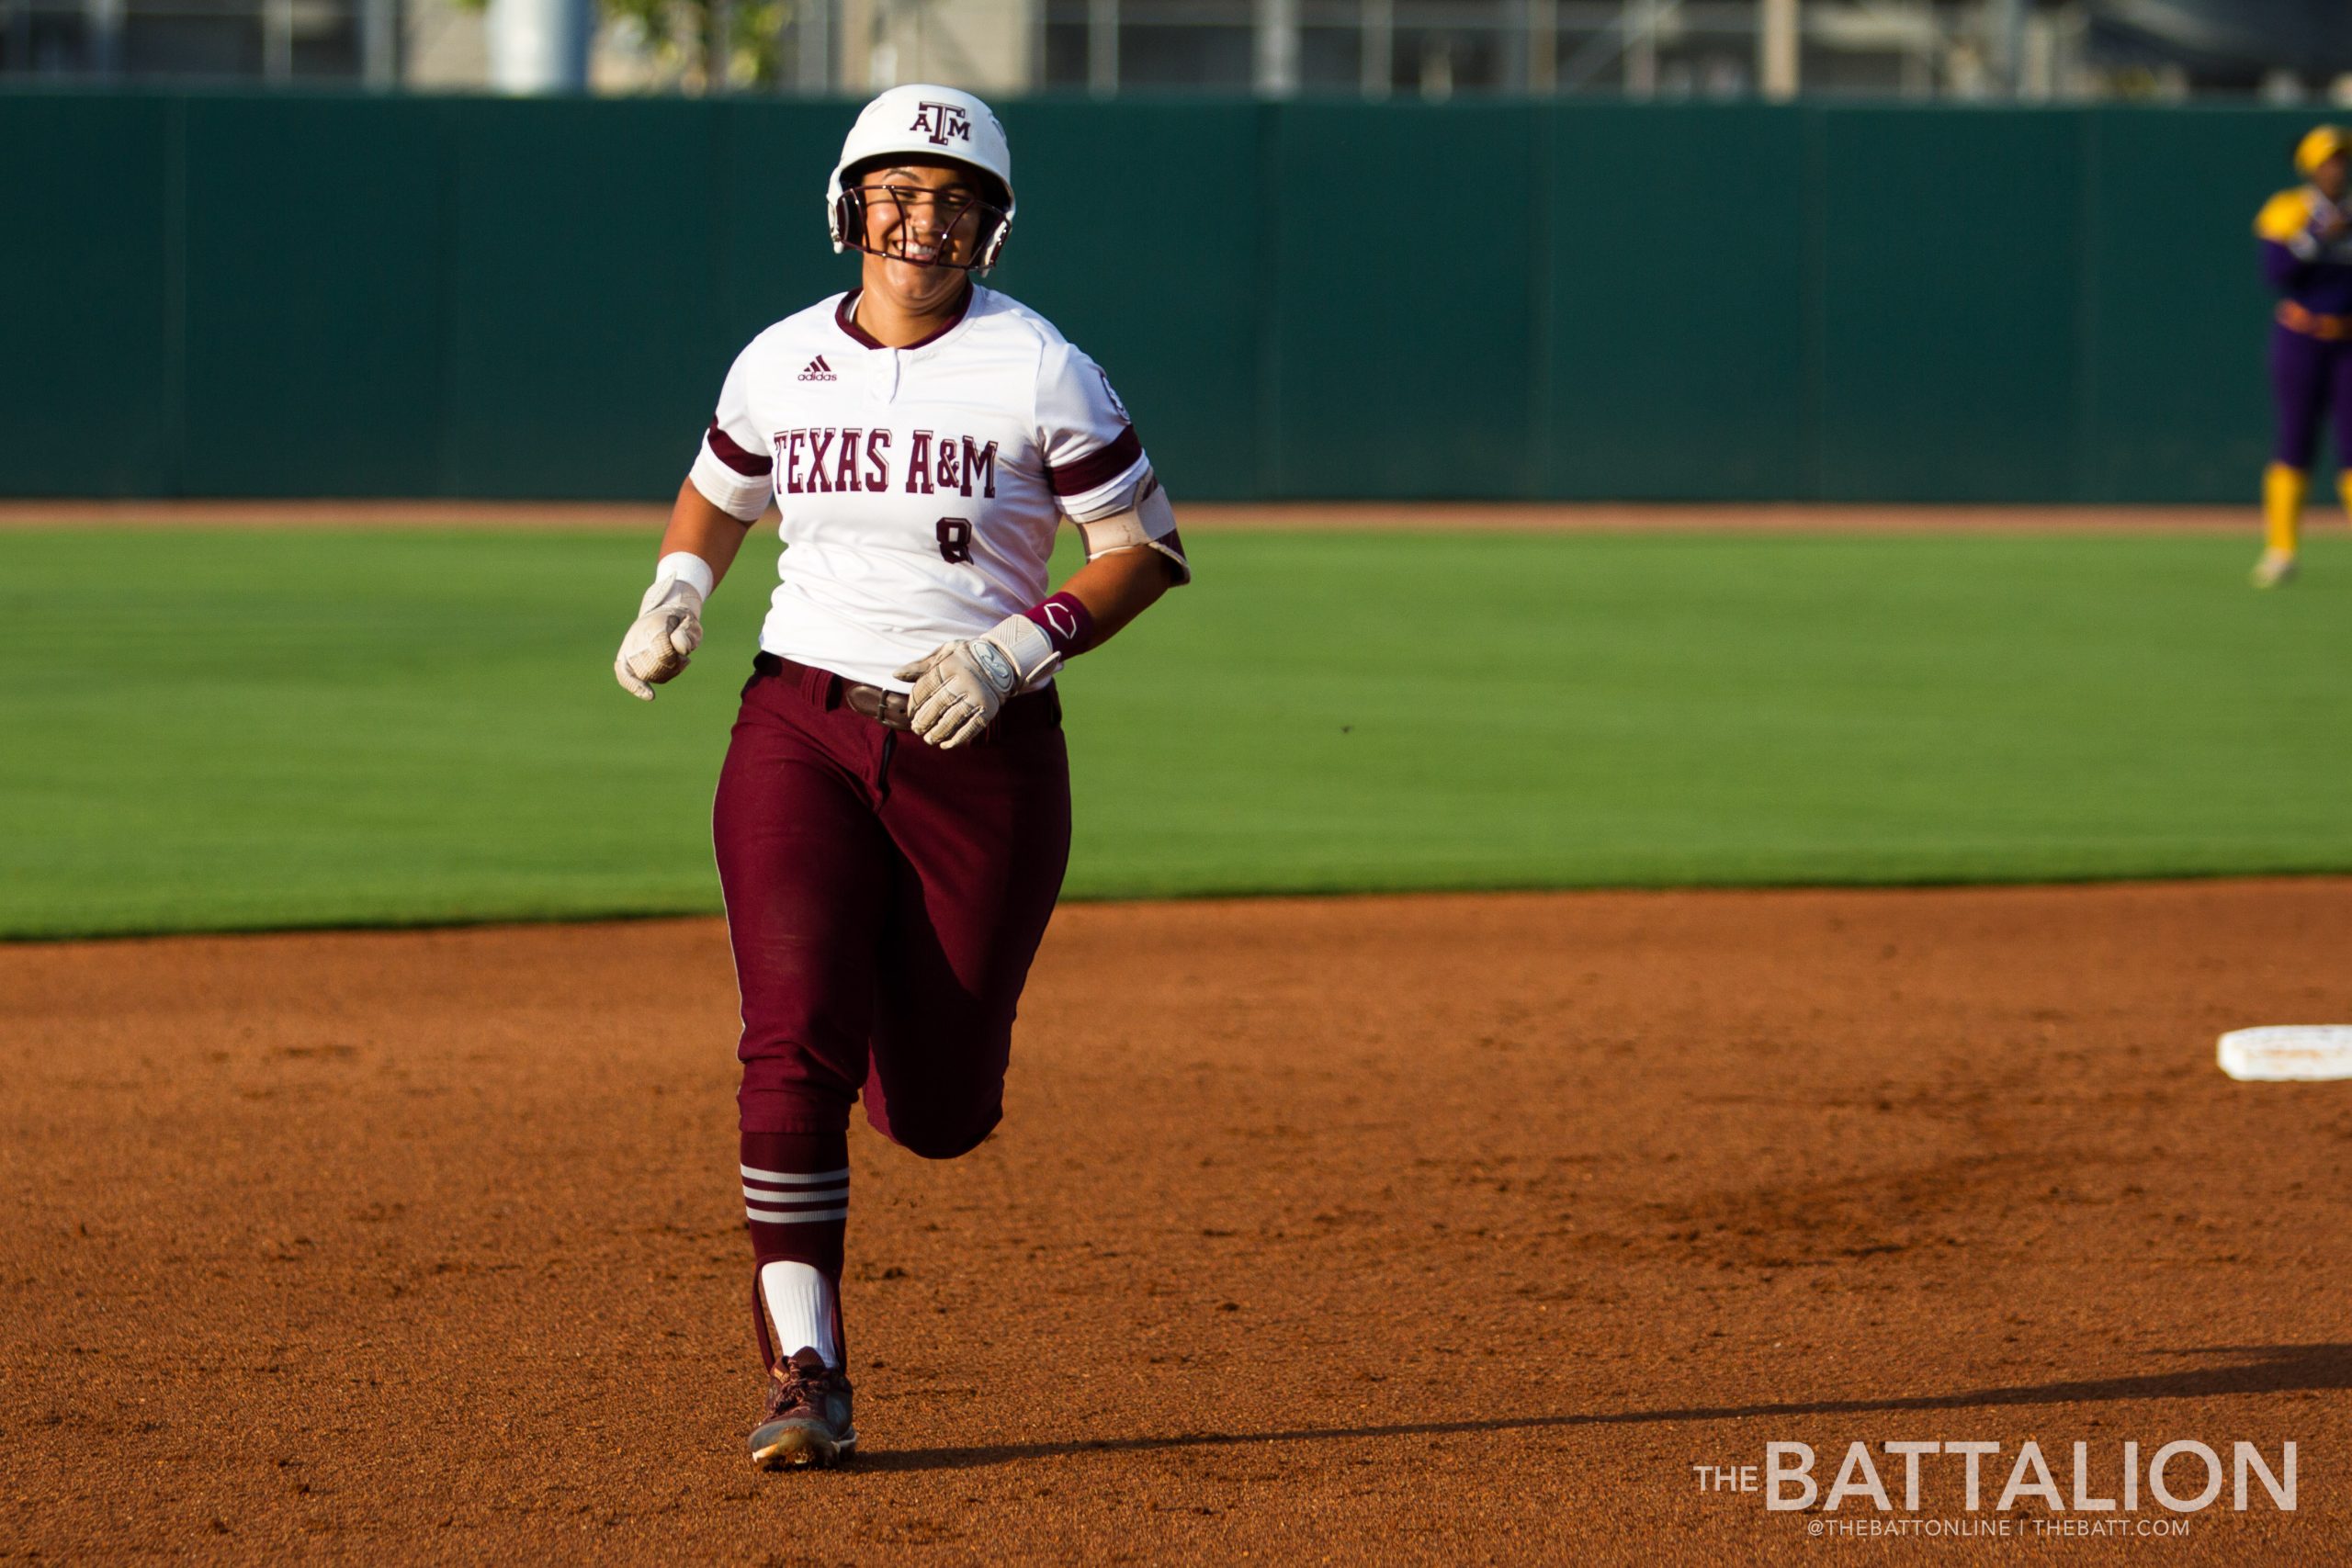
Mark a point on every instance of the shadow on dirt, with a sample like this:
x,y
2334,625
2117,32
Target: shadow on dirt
x,y
2272,1369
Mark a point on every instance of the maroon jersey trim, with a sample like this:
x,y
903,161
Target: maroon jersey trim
x,y
748,463
1099,466
845,318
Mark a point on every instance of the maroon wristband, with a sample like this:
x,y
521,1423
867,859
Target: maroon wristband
x,y
1066,620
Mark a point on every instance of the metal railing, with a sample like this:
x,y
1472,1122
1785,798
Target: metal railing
x,y
1433,49
280,41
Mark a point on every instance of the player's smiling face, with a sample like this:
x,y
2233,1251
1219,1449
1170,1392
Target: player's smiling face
x,y
926,219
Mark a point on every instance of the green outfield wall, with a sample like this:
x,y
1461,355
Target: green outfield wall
x,y
244,296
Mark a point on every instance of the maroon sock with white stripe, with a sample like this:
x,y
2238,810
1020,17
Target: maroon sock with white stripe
x,y
795,1206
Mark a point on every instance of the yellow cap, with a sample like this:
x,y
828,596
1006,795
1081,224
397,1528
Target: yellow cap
x,y
2317,147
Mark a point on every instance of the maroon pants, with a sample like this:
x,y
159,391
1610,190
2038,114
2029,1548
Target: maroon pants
x,y
884,899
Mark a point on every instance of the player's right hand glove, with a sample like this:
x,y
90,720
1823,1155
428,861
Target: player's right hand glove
x,y
667,630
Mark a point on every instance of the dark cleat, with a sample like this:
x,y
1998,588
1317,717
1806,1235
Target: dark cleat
x,y
806,1422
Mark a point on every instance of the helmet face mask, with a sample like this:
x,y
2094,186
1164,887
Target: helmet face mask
x,y
924,126
950,226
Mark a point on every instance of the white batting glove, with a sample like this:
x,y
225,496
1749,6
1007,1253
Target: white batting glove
x,y
961,686
668,627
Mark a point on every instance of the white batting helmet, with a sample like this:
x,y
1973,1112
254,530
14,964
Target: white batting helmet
x,y
933,122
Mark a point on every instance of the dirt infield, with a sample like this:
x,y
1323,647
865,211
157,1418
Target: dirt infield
x,y
1200,516
1441,1228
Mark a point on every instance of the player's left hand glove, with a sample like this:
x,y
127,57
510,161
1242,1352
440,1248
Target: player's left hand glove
x,y
961,686
667,629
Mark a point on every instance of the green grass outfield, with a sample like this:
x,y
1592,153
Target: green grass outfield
x,y
221,729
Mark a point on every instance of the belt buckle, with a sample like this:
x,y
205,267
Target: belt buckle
x,y
884,706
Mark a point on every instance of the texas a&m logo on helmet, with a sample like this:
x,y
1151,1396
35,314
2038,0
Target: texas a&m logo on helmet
x,y
942,123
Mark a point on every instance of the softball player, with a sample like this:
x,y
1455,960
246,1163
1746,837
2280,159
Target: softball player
x,y
2306,236
893,818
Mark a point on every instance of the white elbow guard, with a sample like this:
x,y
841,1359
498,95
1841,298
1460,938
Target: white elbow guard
x,y
1150,524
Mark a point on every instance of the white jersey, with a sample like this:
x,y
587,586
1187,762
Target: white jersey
x,y
920,486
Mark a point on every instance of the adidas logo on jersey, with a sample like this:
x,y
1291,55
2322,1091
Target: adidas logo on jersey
x,y
818,371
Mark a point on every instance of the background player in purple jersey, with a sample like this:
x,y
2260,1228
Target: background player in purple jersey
x,y
2307,256
893,818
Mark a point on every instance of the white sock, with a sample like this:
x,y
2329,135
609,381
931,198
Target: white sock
x,y
801,1301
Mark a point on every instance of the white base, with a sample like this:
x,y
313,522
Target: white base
x,y
2289,1051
